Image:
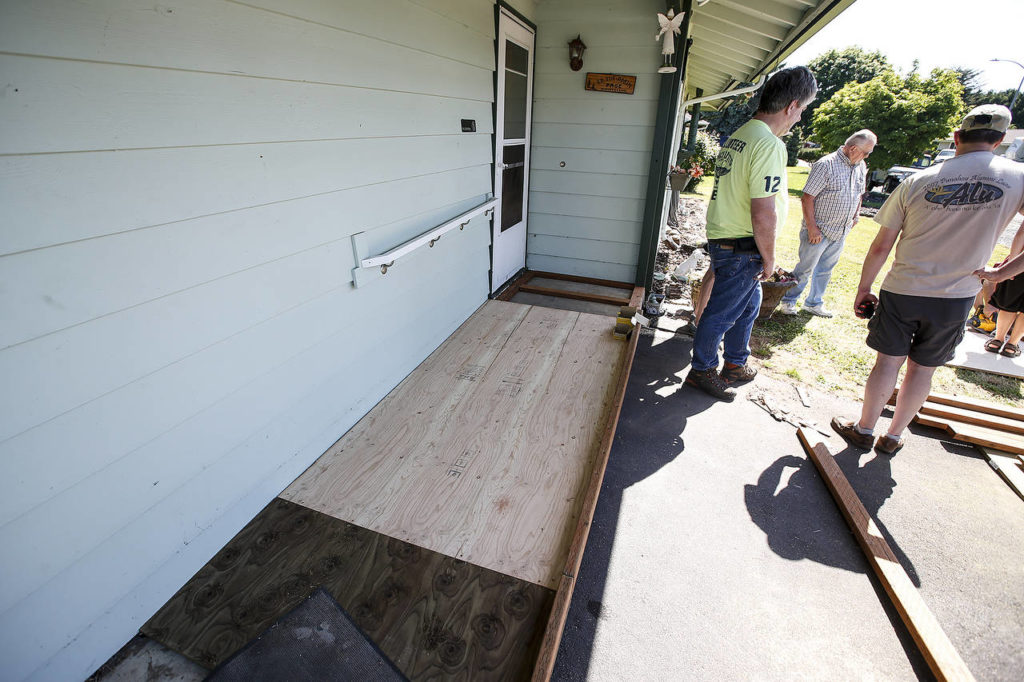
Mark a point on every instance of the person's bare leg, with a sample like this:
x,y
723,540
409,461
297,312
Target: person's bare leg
x,y
1017,330
1003,323
917,383
705,294
878,389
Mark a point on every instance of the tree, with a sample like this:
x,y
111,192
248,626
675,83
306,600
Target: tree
x,y
836,68
907,113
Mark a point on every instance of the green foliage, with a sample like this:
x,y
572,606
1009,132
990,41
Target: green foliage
x,y
794,141
704,153
907,113
811,155
836,68
727,120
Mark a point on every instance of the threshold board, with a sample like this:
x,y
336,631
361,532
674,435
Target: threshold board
x,y
433,616
485,452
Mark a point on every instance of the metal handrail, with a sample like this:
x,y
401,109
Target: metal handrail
x,y
386,260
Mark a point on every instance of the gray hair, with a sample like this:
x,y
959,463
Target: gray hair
x,y
860,137
789,85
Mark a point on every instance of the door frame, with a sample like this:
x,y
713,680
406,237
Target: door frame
x,y
504,11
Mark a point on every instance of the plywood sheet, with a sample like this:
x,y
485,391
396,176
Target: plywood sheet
x,y
433,616
485,451
971,354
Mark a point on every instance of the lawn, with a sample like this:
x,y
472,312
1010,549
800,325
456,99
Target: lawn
x,y
830,353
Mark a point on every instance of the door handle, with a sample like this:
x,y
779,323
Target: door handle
x,y
506,166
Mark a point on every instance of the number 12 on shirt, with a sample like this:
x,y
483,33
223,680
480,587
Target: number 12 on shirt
x,y
771,183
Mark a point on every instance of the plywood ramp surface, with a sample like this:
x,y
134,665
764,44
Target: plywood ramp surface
x,y
484,452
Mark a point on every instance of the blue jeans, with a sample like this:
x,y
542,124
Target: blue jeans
x,y
731,310
816,264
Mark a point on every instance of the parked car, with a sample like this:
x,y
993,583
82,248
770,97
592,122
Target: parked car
x,y
943,155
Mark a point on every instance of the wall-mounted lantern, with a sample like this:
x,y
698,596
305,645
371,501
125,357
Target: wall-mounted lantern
x,y
576,48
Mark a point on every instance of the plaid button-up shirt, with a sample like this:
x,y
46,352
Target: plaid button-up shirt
x,y
837,186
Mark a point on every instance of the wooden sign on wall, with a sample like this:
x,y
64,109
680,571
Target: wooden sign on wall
x,y
610,82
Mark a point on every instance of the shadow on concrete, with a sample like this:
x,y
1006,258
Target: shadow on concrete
x,y
650,425
789,516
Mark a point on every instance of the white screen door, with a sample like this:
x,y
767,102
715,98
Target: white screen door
x,y
512,148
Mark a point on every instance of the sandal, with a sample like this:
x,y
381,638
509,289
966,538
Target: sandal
x,y
994,345
1010,350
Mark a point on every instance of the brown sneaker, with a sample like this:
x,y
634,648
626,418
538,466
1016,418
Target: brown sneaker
x,y
887,445
847,428
738,373
711,383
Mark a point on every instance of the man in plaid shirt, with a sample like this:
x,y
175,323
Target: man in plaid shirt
x,y
831,205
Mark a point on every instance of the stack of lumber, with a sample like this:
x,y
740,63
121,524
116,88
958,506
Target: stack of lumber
x,y
987,426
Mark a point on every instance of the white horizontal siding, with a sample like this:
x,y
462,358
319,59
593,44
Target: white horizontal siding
x,y
181,337
591,151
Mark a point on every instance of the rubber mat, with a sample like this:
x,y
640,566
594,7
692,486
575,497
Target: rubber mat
x,y
315,641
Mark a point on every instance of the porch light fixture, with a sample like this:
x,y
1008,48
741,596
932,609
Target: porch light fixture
x,y
576,48
670,27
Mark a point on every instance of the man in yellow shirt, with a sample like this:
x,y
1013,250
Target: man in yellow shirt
x,y
747,205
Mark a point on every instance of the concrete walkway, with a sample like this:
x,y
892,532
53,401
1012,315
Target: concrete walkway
x,y
717,553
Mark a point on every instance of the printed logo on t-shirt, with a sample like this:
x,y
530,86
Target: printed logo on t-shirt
x,y
963,194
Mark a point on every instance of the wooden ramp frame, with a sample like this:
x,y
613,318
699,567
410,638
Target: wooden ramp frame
x,y
632,296
492,451
931,640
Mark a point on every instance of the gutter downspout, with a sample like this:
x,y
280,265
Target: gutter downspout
x,y
661,152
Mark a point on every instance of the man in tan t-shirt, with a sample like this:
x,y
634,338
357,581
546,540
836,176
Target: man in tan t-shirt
x,y
947,220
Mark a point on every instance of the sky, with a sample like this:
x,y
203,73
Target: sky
x,y
939,33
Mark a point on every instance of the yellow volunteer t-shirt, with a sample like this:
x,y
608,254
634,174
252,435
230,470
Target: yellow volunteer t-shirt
x,y
751,165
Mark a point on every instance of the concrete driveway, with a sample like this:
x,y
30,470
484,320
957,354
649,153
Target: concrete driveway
x,y
717,553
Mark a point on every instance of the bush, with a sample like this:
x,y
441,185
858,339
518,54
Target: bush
x,y
810,154
704,153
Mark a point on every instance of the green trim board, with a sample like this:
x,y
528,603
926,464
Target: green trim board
x,y
432,615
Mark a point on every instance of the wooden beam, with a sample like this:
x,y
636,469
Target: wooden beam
x,y
576,278
563,597
971,404
1008,468
575,295
964,416
636,300
929,636
977,435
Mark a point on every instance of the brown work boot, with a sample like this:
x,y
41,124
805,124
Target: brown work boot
x,y
887,445
738,373
711,383
847,428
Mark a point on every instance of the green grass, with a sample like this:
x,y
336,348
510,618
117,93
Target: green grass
x,y
833,350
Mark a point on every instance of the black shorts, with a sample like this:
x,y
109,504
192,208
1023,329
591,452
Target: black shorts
x,y
1009,295
925,329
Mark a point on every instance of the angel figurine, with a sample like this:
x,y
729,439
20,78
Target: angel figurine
x,y
670,28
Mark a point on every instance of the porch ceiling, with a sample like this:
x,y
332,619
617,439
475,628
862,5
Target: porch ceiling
x,y
735,41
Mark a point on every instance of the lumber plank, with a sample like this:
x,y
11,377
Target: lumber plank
x,y
576,295
943,659
560,610
977,435
963,416
579,278
1008,468
972,404
636,299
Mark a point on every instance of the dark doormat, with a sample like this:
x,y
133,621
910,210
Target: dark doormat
x,y
316,641
433,616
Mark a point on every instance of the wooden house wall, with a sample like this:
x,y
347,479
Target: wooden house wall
x,y
180,334
585,217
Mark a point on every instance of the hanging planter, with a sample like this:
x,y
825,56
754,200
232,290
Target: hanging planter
x,y
679,181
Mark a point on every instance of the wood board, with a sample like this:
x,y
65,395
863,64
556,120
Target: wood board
x,y
977,435
1010,469
433,616
943,659
483,453
971,354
